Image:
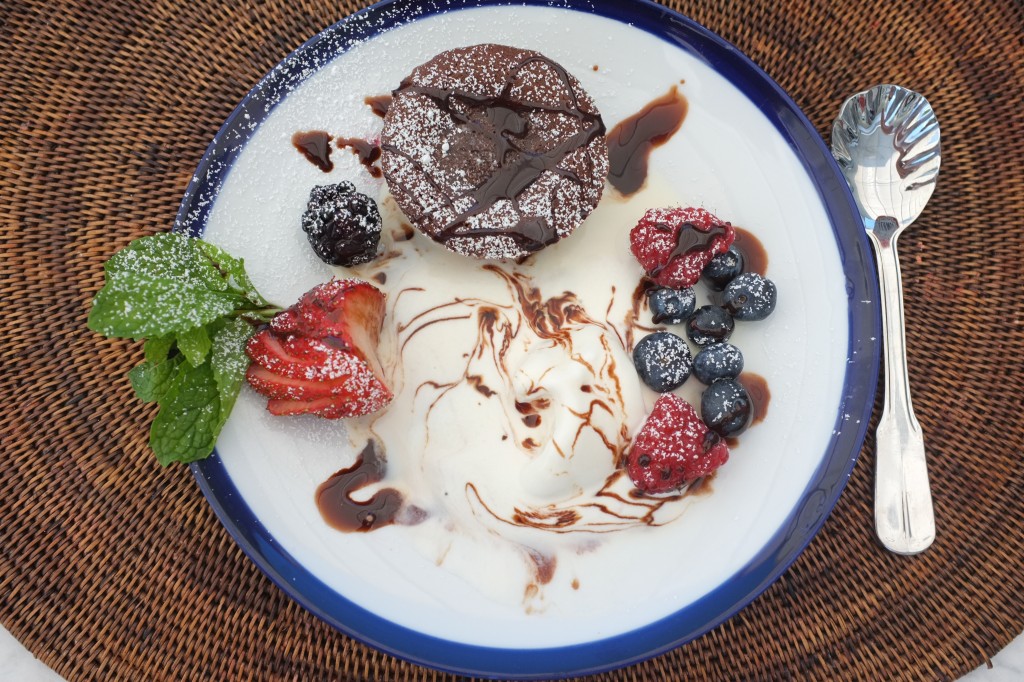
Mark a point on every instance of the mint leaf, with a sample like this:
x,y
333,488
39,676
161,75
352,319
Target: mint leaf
x,y
229,361
161,285
233,270
189,420
157,349
195,305
151,380
168,255
194,344
144,307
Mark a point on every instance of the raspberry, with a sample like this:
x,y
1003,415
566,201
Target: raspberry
x,y
674,245
673,447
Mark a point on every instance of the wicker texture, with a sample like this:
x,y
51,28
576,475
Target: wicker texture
x,y
114,568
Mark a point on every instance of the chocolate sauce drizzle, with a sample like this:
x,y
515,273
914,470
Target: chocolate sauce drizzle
x,y
315,145
379,104
689,239
635,508
553,318
366,151
631,141
506,120
340,511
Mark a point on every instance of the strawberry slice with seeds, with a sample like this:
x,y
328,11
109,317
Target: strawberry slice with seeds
x,y
339,308
320,355
281,387
285,322
329,408
675,244
296,357
673,447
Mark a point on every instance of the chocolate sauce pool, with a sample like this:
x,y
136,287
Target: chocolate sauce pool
x,y
755,258
342,512
760,396
366,151
315,145
631,141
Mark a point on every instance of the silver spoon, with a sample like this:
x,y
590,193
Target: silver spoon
x,y
886,141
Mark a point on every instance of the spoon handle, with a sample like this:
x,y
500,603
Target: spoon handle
x,y
904,519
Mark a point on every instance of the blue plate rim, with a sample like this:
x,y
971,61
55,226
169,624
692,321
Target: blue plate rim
x,y
794,534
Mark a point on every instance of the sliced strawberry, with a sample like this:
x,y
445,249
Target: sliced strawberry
x,y
338,308
323,348
329,408
285,321
675,244
360,388
277,386
297,357
673,447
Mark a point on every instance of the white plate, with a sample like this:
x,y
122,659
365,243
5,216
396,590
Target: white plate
x,y
744,152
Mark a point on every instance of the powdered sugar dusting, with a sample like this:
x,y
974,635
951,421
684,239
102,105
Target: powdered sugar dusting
x,y
441,148
673,447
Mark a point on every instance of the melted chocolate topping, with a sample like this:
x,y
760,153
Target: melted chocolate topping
x,y
367,152
315,145
504,122
631,141
379,105
340,511
690,238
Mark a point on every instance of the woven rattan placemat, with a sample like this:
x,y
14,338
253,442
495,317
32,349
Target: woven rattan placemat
x,y
114,568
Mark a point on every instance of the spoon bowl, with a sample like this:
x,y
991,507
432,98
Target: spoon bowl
x,y
886,141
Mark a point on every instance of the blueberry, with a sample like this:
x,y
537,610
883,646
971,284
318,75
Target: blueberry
x,y
663,361
709,324
722,269
750,297
671,306
725,408
718,361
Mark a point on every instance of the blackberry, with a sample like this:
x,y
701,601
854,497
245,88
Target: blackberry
x,y
709,324
663,361
717,361
343,226
722,269
671,306
725,408
750,297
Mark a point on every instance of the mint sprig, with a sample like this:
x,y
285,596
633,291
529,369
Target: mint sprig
x,y
196,308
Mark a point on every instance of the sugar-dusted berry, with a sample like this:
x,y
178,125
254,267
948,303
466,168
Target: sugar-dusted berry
x,y
671,306
673,447
663,361
343,226
674,245
750,297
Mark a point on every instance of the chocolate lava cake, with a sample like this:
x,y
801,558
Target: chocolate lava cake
x,y
493,151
